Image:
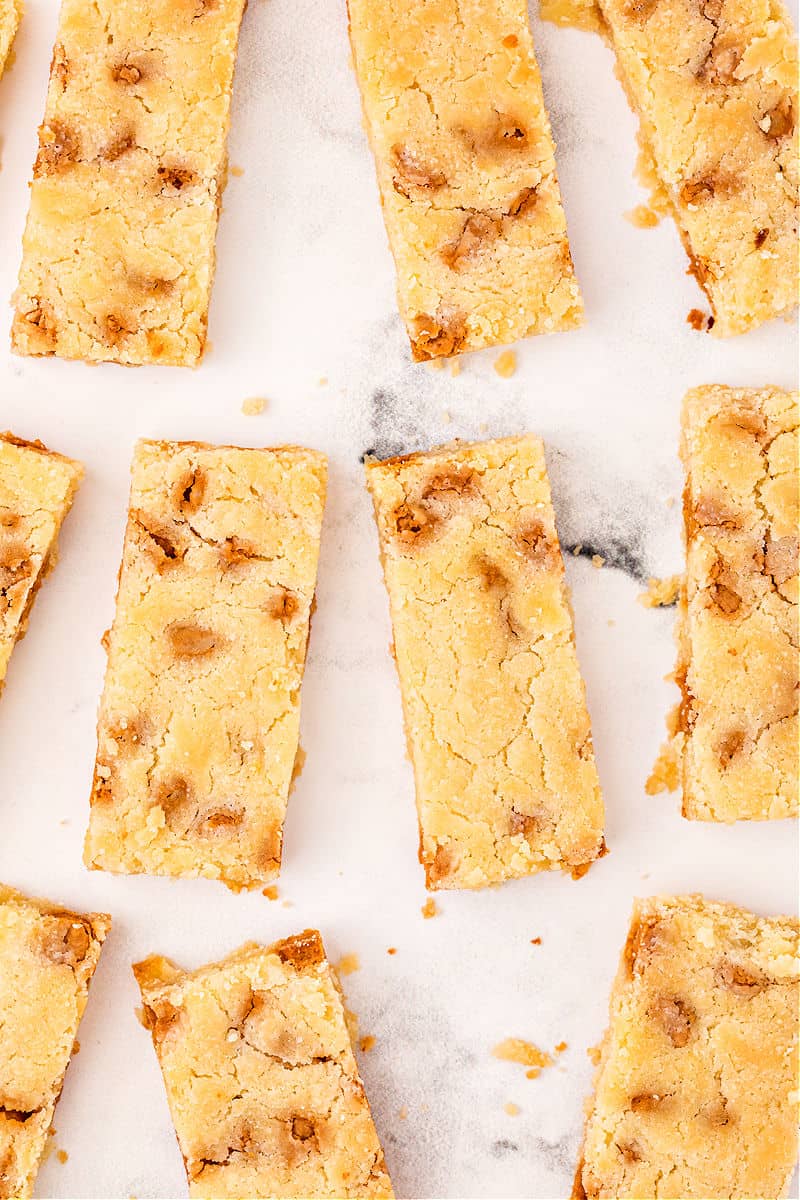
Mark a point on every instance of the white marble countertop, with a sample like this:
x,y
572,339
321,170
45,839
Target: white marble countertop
x,y
305,290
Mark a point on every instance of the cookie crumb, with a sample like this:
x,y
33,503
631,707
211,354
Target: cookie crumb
x,y
270,892
664,776
597,561
322,381
76,1047
366,1043
611,622
287,904
62,1156
643,217
455,367
348,964
447,416
517,1051
661,592
576,549
403,1113
594,1054
237,172
537,941
699,321
506,364
429,908
392,950
670,501
512,1109
253,406
561,1047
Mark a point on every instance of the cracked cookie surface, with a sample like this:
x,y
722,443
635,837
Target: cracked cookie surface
x,y
494,704
47,958
199,721
466,168
37,487
260,1075
696,1088
737,727
118,251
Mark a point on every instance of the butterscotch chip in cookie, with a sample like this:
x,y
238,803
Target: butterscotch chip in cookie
x,y
260,1075
494,704
199,720
702,1038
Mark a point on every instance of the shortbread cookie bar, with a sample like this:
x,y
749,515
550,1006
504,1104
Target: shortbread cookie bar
x,y
737,728
199,721
260,1075
36,490
118,252
696,1089
466,170
494,704
10,17
47,958
714,84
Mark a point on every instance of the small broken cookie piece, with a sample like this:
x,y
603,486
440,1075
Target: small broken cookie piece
x,y
495,712
47,959
260,1074
199,721
702,1040
37,487
10,17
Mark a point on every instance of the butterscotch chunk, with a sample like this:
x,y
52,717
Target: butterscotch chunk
x,y
47,959
36,491
737,728
701,1051
260,1075
10,17
714,83
118,251
199,721
466,169
494,704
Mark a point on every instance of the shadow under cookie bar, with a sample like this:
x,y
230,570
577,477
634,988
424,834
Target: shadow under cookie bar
x,y
495,711
47,958
199,721
466,170
260,1074
118,250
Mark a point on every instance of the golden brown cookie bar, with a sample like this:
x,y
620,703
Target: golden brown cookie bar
x,y
494,703
696,1088
737,729
714,84
47,958
260,1075
118,252
199,722
36,490
10,17
466,169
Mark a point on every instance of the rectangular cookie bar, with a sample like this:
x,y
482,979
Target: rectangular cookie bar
x,y
466,169
47,958
494,704
10,17
696,1087
260,1075
199,721
118,251
714,84
37,487
737,729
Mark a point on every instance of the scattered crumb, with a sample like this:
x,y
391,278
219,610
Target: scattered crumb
x,y
65,821
664,776
513,1110
392,950
661,592
517,1051
237,172
253,406
646,875
643,217
322,381
270,892
611,622
597,561
447,416
348,964
506,364
594,1054
455,367
537,941
76,1047
403,1113
436,364
699,320
287,904
366,1043
561,1047
670,501
483,427
62,1156
576,549
429,908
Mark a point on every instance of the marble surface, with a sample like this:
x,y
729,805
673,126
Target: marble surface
x,y
304,292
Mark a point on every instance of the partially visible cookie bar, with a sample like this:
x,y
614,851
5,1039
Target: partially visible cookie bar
x,y
37,487
494,703
260,1075
714,84
696,1089
118,251
466,170
199,722
10,17
737,727
47,958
